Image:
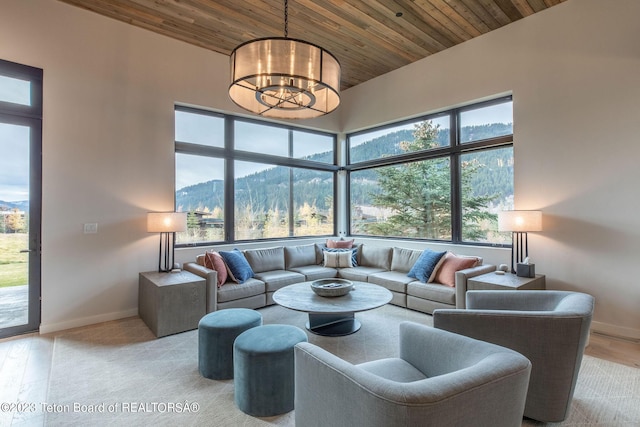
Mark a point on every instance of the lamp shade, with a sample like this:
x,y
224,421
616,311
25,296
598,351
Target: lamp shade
x,y
520,221
284,78
166,222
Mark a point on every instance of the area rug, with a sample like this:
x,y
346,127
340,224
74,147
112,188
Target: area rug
x,y
118,374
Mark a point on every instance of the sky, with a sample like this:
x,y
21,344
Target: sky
x,y
14,163
14,144
500,113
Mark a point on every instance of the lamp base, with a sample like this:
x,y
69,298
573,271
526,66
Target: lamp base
x,y
166,256
519,248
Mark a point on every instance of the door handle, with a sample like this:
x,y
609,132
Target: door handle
x,y
24,251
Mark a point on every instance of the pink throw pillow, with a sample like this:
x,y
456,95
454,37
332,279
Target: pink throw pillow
x,y
446,274
214,261
340,244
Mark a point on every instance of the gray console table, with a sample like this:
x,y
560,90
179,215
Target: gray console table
x,y
170,303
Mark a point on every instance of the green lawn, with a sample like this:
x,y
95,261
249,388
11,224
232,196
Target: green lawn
x,y
13,264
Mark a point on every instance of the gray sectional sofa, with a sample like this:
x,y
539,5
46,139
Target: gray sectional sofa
x,y
277,267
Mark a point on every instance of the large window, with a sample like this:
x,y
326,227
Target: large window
x,y
243,180
439,177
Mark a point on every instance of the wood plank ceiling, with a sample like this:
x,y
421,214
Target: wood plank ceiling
x,y
369,37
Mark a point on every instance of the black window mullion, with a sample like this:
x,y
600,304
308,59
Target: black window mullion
x,y
229,181
291,207
455,168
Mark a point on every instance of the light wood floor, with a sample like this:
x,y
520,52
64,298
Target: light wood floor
x,y
614,350
25,364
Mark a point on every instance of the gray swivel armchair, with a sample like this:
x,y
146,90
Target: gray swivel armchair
x,y
439,379
550,328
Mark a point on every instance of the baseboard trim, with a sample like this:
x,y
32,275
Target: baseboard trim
x,y
47,328
616,331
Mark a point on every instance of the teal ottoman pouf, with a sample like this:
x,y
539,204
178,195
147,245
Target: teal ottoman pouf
x,y
216,333
263,369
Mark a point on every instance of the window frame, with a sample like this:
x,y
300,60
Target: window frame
x,y
454,152
30,116
229,155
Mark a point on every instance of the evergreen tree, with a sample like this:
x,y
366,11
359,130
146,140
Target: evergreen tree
x,y
419,194
193,223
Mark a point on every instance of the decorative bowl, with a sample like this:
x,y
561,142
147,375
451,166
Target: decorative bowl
x,y
331,287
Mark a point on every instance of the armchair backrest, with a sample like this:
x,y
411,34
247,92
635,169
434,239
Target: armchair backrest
x,y
550,328
471,383
521,300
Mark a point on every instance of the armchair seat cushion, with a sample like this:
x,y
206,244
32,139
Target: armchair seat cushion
x,y
393,369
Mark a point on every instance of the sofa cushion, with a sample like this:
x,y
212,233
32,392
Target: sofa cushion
x,y
425,267
268,259
374,256
446,273
239,269
214,261
358,273
277,279
393,280
352,251
433,292
321,247
299,256
403,259
236,291
341,259
344,244
315,272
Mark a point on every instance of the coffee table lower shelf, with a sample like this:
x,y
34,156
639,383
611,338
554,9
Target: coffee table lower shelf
x,y
333,325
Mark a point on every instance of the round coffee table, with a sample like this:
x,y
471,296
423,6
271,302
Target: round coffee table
x,y
332,316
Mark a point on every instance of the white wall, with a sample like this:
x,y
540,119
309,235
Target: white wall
x,y
574,72
108,156
110,88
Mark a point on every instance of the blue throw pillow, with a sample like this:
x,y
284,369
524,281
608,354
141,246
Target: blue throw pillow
x,y
238,265
425,265
354,253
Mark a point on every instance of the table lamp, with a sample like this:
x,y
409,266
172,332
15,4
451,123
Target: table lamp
x,y
167,224
519,223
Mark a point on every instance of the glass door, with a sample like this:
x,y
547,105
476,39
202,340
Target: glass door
x,y
20,198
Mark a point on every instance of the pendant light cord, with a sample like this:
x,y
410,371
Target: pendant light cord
x,y
286,19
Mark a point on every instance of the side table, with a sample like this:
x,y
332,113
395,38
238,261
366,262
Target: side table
x,y
507,281
170,303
